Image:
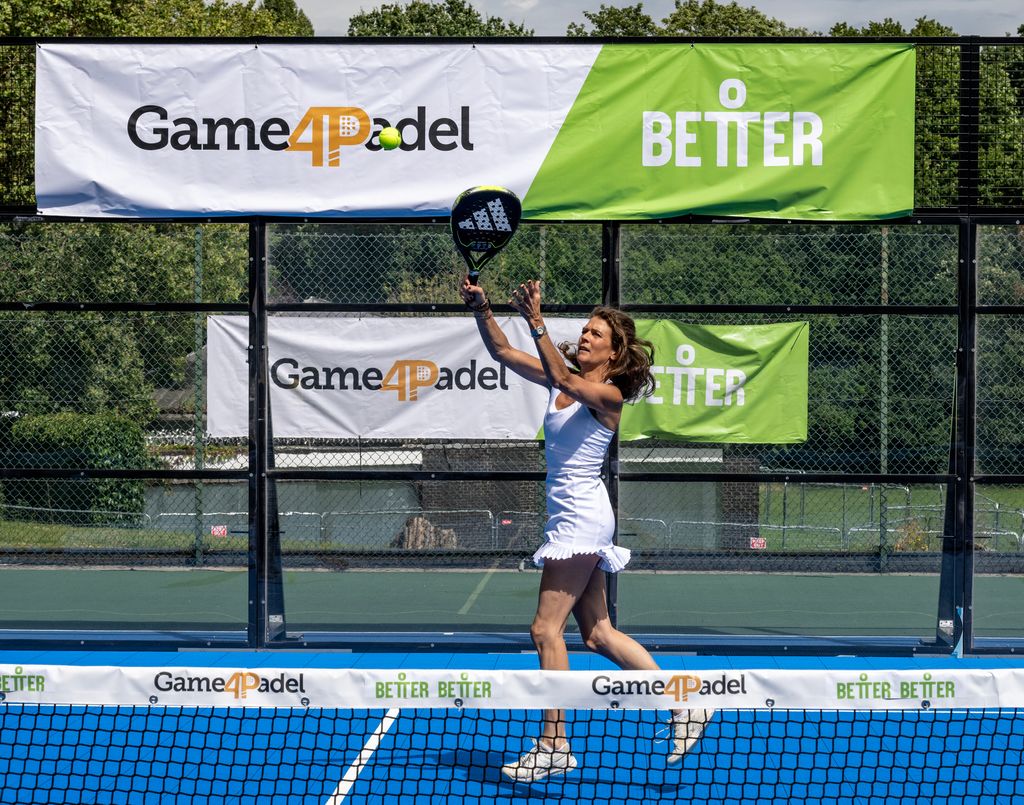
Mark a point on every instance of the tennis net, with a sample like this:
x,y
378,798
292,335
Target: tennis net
x,y
78,734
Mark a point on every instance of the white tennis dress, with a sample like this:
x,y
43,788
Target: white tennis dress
x,y
580,516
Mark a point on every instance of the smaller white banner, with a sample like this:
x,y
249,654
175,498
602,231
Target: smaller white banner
x,y
356,689
377,378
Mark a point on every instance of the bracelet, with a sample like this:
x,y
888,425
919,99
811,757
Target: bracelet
x,y
483,307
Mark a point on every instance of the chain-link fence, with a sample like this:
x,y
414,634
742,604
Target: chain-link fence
x,y
107,464
125,389
379,264
108,383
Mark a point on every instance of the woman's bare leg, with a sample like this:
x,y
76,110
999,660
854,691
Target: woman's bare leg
x,y
591,613
562,583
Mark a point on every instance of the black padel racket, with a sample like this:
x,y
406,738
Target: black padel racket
x,y
484,219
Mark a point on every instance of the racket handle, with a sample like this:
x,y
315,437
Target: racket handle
x,y
474,277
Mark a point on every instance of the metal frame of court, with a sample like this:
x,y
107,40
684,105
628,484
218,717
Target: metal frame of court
x,y
267,621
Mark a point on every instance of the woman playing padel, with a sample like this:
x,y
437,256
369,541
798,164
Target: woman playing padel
x,y
589,382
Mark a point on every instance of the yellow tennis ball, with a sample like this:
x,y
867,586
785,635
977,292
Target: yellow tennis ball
x,y
390,138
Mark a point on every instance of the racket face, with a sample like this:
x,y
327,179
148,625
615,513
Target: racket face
x,y
484,219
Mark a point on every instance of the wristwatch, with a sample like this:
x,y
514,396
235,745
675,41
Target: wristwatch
x,y
537,332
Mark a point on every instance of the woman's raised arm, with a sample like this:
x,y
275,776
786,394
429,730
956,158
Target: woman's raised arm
x,y
498,346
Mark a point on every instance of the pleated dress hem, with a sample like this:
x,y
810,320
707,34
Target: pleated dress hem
x,y
613,557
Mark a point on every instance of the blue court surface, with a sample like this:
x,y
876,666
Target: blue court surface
x,y
77,754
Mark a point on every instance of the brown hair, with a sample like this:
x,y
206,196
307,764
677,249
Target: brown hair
x,y
630,370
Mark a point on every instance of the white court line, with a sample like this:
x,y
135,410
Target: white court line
x,y
352,772
476,592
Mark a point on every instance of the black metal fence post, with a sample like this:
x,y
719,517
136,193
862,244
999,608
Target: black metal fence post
x,y
968,199
966,422
257,630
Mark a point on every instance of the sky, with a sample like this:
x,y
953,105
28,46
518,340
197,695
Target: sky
x,y
551,17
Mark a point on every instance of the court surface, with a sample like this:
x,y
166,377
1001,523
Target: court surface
x,y
299,756
431,600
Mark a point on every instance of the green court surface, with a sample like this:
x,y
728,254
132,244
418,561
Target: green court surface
x,y
500,601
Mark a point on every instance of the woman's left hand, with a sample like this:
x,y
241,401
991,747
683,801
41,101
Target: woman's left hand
x,y
526,299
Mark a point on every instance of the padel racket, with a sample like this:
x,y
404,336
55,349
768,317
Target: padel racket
x,y
484,219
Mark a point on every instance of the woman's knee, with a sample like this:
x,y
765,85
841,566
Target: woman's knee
x,y
544,632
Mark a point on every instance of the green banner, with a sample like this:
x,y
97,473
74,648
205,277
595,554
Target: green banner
x,y
724,383
774,131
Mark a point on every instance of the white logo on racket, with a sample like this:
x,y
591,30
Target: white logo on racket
x,y
501,222
492,219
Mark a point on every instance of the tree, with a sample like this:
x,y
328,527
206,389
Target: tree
x,y
689,18
923,26
218,18
709,18
65,17
419,18
289,16
93,362
152,18
613,21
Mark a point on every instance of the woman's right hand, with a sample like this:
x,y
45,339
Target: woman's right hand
x,y
472,295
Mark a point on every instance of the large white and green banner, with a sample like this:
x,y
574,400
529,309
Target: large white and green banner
x,y
579,131
387,378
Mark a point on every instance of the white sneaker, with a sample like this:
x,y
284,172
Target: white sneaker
x,y
687,728
540,762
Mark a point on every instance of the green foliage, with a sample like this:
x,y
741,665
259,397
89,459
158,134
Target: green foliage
x,y
69,440
152,18
355,264
937,142
419,18
90,362
122,262
911,536
287,16
614,21
216,18
400,264
85,362
924,26
688,18
65,17
709,18
1000,350
1001,156
17,65
849,390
